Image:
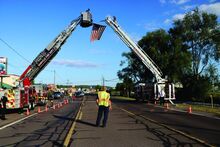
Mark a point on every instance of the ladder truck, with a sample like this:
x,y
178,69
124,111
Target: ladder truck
x,y
20,97
152,92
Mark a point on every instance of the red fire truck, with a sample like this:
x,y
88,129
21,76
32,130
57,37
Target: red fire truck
x,y
22,95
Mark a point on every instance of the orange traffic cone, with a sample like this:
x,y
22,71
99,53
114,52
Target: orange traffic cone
x,y
27,112
190,109
167,106
38,110
46,108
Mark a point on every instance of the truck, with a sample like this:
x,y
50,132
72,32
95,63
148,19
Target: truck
x,y
148,91
22,96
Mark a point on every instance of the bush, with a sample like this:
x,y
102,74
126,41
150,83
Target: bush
x,y
195,88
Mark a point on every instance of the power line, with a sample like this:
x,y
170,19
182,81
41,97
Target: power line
x,y
14,50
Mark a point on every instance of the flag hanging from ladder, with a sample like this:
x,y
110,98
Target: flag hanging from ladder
x,y
97,31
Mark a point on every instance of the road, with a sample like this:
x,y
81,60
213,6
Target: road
x,y
41,129
201,127
51,128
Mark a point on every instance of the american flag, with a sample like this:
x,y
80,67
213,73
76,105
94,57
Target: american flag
x,y
97,31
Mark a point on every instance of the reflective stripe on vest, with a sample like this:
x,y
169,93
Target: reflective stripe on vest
x,y
103,98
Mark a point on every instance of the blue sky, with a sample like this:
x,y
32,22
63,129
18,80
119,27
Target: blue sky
x,y
28,26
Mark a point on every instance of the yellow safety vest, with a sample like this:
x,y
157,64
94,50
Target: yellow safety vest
x,y
103,98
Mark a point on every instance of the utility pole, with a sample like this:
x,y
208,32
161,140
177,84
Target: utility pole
x,y
54,77
103,81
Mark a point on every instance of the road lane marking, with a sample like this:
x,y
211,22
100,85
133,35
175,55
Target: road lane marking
x,y
80,115
172,129
70,133
10,124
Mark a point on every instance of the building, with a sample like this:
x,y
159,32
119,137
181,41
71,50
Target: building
x,y
9,80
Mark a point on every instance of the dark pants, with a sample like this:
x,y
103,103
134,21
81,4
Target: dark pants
x,y
162,101
105,110
2,113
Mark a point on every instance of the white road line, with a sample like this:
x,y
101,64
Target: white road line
x,y
10,124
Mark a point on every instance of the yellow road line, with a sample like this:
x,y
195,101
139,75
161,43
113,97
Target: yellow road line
x,y
80,115
70,133
172,129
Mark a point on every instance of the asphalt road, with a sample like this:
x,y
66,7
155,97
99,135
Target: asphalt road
x,y
200,127
50,128
42,129
124,129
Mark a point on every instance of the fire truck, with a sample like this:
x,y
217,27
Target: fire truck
x,y
22,95
150,91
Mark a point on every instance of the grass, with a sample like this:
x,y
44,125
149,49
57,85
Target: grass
x,y
200,108
123,98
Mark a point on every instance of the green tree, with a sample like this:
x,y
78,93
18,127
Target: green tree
x,y
198,31
120,87
212,72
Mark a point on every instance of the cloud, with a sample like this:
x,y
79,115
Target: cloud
x,y
75,63
179,2
178,16
167,21
211,8
162,1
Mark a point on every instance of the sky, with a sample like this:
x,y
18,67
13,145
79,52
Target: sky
x,y
28,26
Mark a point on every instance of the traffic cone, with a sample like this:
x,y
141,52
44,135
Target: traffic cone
x,y
38,110
46,108
27,112
190,109
167,106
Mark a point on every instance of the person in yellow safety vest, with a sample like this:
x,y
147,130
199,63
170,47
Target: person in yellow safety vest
x,y
104,103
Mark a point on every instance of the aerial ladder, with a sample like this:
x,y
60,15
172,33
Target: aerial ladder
x,y
146,60
45,57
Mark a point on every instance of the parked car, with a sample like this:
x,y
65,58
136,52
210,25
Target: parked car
x,y
79,94
57,95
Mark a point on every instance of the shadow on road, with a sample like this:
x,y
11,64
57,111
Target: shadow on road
x,y
86,123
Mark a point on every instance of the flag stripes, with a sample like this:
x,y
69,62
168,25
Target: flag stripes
x,y
97,31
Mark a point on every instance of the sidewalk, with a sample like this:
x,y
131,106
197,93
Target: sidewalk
x,y
123,130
